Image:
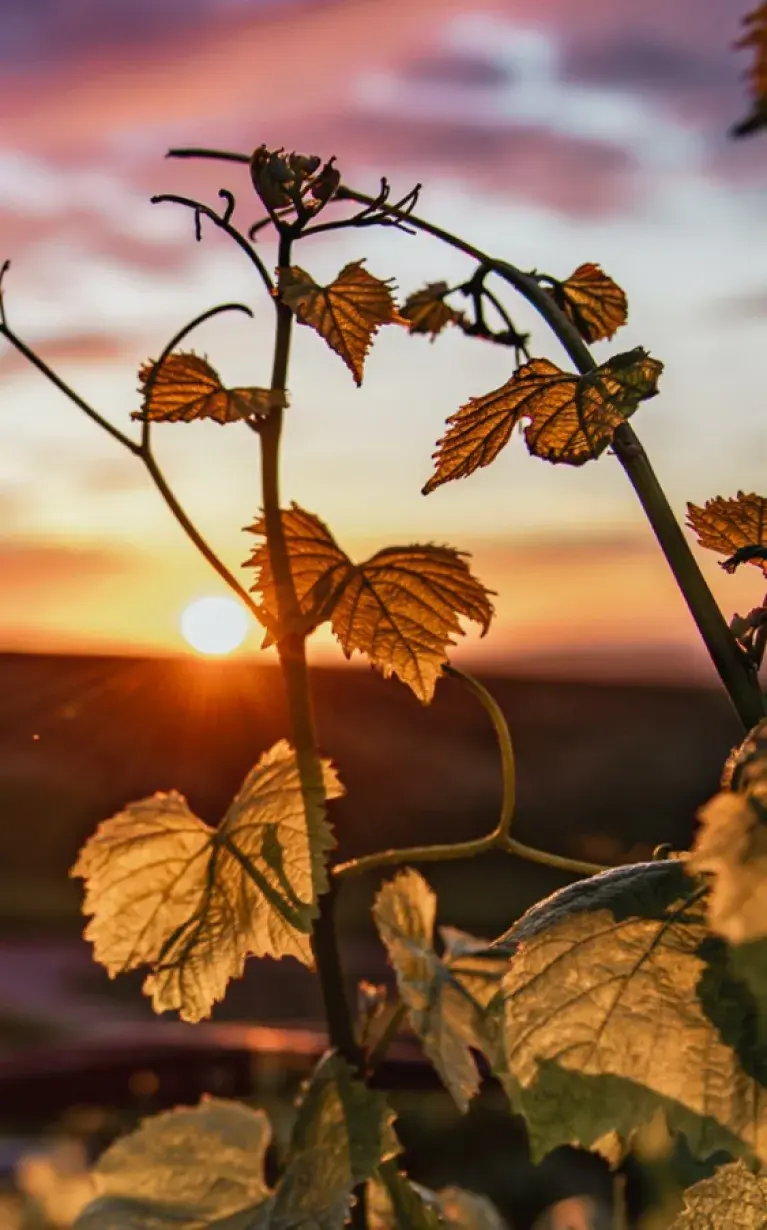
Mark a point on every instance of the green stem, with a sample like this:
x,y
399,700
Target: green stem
x,y
505,747
735,671
387,1035
498,839
292,654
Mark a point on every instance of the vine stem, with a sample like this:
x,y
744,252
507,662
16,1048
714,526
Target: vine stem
x,y
291,649
143,450
221,221
736,672
498,839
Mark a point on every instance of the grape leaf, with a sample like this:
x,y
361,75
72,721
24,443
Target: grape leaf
x,y
595,304
731,526
731,1197
347,313
755,37
746,767
200,1167
731,845
396,1203
618,1004
444,997
186,388
191,902
572,418
318,566
400,607
342,1132
425,311
186,1166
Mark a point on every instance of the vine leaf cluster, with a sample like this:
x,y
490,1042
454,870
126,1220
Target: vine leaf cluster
x,y
588,1008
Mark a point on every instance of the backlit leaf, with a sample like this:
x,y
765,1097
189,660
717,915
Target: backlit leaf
x,y
186,388
396,1203
347,313
731,844
756,38
596,305
183,1168
730,527
192,902
570,418
619,1004
444,996
426,311
203,1167
343,1131
317,563
733,1196
400,607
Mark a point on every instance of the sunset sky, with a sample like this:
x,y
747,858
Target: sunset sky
x,y
549,134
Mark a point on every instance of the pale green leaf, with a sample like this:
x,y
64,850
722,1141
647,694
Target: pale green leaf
x,y
343,1131
733,1197
394,1203
191,1168
397,1203
617,1004
731,845
444,997
203,1167
191,902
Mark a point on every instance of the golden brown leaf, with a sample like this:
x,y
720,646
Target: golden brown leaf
x,y
186,388
731,845
733,1196
572,418
729,526
596,305
318,566
191,902
400,607
347,313
426,311
756,38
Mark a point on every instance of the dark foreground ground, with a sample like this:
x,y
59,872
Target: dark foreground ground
x,y
605,772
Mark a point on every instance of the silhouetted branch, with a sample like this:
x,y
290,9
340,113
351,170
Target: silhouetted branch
x,y
221,221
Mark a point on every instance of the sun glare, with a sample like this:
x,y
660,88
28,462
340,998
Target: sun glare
x,y
215,626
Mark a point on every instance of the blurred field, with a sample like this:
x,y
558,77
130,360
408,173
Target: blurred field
x,y
604,771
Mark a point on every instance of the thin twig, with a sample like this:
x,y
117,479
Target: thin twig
x,y
132,445
387,1035
221,221
498,839
175,341
149,461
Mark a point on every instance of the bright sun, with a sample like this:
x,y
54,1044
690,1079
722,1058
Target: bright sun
x,y
215,626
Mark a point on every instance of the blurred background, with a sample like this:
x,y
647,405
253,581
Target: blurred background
x,y
547,134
